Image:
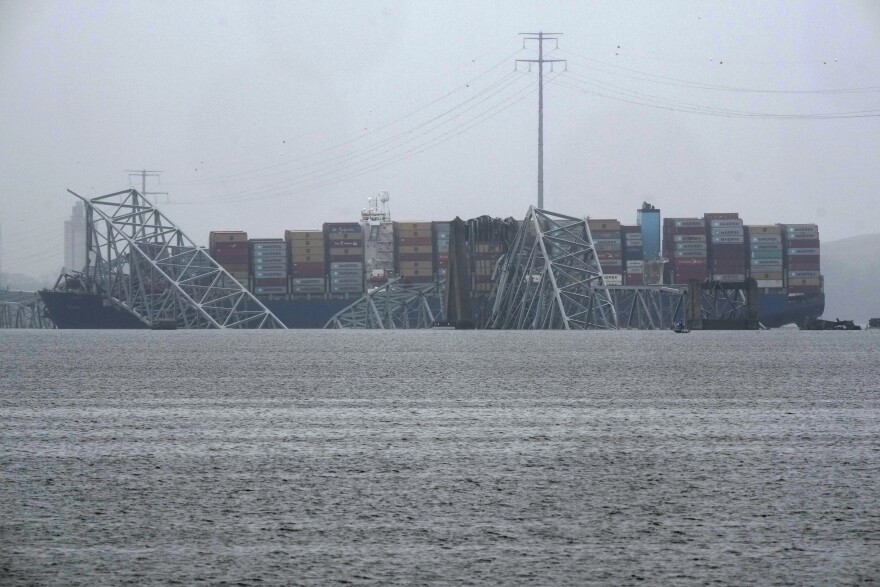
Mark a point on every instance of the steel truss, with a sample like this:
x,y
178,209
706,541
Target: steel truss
x,y
721,301
394,305
551,278
141,262
23,309
648,307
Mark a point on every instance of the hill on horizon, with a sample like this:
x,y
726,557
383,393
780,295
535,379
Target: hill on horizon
x,y
851,267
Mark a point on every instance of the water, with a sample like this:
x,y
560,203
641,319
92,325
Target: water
x,y
460,458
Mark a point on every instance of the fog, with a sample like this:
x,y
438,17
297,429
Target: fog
x,y
280,115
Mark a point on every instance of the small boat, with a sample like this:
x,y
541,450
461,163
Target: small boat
x,y
679,328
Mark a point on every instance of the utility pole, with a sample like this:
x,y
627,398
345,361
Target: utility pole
x,y
541,37
144,174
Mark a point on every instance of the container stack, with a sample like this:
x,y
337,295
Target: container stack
x,y
801,246
414,251
765,254
441,248
684,244
268,267
609,248
308,262
345,242
230,250
633,255
727,251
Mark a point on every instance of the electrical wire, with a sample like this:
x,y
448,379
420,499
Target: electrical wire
x,y
631,96
672,81
360,137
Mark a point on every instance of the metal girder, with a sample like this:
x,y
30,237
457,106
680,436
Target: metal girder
x,y
141,262
648,307
716,300
23,309
391,306
551,278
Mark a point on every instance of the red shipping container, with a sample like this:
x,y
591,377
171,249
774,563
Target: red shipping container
x,y
682,261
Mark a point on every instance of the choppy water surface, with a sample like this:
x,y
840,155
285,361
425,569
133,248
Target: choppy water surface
x,y
439,457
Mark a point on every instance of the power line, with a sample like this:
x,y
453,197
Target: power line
x,y
360,137
541,37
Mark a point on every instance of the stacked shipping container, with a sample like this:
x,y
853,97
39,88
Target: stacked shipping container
x,y
727,250
414,251
441,248
230,250
609,248
633,255
269,266
345,243
308,261
801,245
684,244
765,255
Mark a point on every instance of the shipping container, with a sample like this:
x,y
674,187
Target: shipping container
x,y
270,274
721,215
605,234
802,243
343,229
802,274
603,224
758,229
726,223
690,253
769,282
729,277
766,238
689,238
803,251
269,289
688,222
304,235
613,279
690,246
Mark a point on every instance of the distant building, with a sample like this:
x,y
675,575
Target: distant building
x,y
75,239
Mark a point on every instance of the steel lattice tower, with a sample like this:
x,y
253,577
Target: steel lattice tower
x,y
552,279
144,264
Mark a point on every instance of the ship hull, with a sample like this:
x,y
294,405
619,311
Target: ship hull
x,y
86,311
71,311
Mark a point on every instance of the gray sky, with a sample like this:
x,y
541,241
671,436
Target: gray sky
x,y
266,116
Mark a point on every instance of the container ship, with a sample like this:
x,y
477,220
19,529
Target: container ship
x,y
307,276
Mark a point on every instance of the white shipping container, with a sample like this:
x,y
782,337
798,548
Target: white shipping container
x,y
307,289
690,246
613,279
767,238
769,282
727,232
347,265
690,253
732,222
690,223
270,289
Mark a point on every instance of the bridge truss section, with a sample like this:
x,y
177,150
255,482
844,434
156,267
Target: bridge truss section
x,y
648,307
394,305
551,278
23,309
142,263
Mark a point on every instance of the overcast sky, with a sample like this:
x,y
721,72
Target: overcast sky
x,y
266,116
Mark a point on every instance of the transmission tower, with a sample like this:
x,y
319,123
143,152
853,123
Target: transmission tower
x,y
144,174
541,37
